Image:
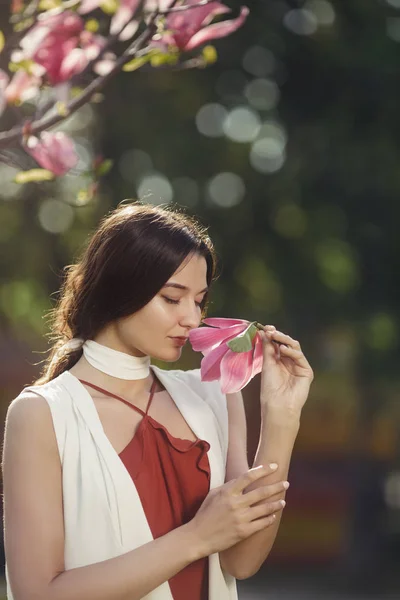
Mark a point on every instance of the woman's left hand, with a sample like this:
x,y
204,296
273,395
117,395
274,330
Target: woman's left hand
x,y
286,374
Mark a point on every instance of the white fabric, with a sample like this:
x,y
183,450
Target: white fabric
x,y
115,363
103,515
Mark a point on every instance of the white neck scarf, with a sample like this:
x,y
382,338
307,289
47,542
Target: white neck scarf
x,y
115,363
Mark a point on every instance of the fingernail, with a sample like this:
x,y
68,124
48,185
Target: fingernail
x,y
283,503
273,466
286,484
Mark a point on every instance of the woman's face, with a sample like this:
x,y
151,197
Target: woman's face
x,y
173,312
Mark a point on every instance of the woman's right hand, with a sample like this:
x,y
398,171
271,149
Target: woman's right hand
x,y
228,515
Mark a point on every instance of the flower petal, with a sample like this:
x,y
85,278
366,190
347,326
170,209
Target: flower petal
x,y
124,14
222,322
53,151
89,5
258,356
236,370
204,339
210,365
186,23
218,30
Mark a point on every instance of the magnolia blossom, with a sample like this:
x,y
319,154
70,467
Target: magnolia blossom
x,y
23,86
190,28
61,45
233,369
53,151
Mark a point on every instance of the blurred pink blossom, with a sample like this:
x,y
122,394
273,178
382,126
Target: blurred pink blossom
x,y
124,14
22,86
61,45
233,369
191,28
53,151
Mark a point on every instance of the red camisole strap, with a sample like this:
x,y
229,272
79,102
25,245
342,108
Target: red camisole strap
x,y
107,393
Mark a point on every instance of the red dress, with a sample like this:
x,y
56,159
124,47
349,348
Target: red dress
x,y
172,477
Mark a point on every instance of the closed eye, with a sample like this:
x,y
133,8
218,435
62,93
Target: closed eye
x,y
171,301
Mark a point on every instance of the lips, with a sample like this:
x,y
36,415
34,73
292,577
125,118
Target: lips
x,y
180,339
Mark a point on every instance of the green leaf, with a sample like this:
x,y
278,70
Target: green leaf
x,y
33,175
244,341
136,63
104,167
163,58
2,41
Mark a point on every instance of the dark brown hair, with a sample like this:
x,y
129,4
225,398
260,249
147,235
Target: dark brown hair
x,y
131,255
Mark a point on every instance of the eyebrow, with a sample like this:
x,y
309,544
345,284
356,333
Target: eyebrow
x,y
182,287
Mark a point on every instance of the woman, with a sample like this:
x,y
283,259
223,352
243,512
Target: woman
x,y
125,481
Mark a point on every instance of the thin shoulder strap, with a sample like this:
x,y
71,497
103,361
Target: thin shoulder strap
x,y
107,393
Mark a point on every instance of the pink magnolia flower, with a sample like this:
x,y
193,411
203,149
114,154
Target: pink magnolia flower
x,y
53,151
61,45
191,28
22,86
233,369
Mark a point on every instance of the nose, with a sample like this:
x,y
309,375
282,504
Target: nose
x,y
191,316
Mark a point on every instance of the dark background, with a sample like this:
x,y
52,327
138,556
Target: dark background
x,y
295,169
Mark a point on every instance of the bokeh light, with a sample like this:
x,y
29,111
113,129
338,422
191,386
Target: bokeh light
x,y
210,119
155,188
301,21
9,189
55,216
381,332
322,10
337,264
133,164
267,155
226,189
260,283
259,61
242,124
262,94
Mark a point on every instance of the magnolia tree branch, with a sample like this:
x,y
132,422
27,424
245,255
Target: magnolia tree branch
x,y
82,51
9,138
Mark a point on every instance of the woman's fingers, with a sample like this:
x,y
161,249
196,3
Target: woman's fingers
x,y
282,338
264,493
251,476
263,510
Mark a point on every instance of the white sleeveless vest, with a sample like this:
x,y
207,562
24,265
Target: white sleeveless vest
x,y
103,515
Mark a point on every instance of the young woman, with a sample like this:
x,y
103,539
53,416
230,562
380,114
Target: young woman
x,y
125,481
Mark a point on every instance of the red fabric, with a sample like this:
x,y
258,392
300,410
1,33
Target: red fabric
x,y
172,477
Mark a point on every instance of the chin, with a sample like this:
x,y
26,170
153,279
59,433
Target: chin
x,y
170,356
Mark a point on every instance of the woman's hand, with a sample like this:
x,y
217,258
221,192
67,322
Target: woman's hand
x,y
286,375
229,514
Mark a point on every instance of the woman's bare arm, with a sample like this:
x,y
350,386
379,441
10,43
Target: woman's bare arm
x,y
34,531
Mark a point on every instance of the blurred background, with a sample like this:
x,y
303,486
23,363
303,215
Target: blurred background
x,y
287,148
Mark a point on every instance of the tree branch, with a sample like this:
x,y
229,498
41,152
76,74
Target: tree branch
x,y
8,138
